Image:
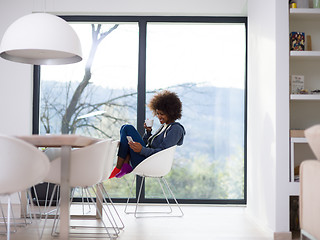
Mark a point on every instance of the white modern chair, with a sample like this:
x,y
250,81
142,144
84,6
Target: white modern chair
x,y
309,205
85,172
156,166
21,166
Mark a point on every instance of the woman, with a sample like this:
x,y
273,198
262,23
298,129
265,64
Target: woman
x,y
167,107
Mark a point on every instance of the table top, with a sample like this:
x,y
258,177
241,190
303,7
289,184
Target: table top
x,y
52,140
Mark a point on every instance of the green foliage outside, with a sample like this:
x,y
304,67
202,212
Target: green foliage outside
x,y
198,179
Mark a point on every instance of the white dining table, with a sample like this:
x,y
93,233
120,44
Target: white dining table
x,y
66,143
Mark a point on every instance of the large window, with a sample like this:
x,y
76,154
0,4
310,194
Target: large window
x,y
128,59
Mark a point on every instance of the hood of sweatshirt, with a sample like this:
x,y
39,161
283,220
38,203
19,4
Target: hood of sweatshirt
x,y
183,131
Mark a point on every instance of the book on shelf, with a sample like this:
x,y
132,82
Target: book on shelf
x,y
297,84
297,133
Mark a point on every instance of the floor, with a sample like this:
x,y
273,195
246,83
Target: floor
x,y
198,222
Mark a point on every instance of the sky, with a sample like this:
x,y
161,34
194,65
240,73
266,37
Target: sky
x,y
206,54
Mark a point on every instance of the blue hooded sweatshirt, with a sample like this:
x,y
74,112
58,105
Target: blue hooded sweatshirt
x,y
172,135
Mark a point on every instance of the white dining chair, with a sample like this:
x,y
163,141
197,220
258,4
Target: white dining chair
x,y
21,166
156,166
86,166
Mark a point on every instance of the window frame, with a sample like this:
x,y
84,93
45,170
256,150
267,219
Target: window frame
x,y
141,100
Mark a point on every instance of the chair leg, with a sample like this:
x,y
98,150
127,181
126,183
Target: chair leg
x,y
34,214
83,203
136,212
47,212
37,199
131,193
168,187
139,195
104,192
56,219
101,217
8,217
25,211
9,213
89,196
4,219
165,195
14,220
46,199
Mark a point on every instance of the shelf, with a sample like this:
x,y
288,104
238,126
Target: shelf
x,y
304,14
298,140
294,189
305,55
314,97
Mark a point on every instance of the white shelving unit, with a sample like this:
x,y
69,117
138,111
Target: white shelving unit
x,y
306,97
305,55
306,63
304,14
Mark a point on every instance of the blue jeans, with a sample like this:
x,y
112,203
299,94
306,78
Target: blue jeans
x,y
124,149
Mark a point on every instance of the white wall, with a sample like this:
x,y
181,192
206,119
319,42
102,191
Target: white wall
x,y
15,79
268,114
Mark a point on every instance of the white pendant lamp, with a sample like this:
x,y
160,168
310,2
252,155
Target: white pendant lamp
x,y
41,39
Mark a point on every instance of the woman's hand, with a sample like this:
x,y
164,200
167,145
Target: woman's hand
x,y
135,146
149,129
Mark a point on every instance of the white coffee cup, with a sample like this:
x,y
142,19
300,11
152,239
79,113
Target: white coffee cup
x,y
149,122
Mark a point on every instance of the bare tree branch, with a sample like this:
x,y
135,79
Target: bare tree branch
x,y
65,128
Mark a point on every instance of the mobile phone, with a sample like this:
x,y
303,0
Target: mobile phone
x,y
129,139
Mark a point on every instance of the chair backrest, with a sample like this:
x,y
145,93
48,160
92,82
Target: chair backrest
x,y
310,197
108,165
157,165
21,165
313,137
85,166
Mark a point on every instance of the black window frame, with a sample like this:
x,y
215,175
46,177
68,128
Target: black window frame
x,y
142,21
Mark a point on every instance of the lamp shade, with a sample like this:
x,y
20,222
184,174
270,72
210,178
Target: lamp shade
x,y
41,39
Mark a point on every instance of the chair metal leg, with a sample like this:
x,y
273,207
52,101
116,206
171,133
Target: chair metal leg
x,y
14,220
104,192
83,192
37,199
34,215
165,195
4,219
49,205
110,235
166,183
8,222
142,183
113,223
24,211
136,212
131,193
8,217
